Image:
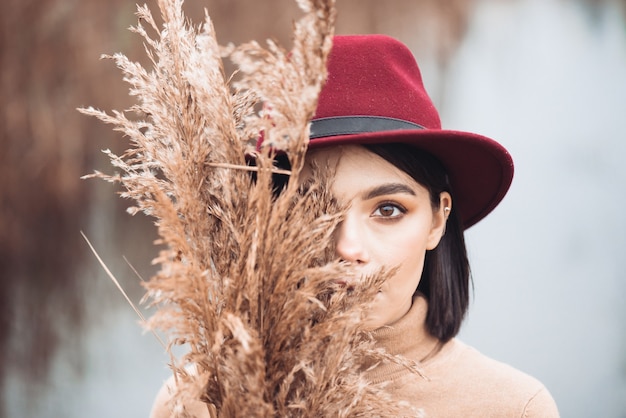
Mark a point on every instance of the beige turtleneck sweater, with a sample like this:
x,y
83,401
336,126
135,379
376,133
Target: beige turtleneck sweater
x,y
457,380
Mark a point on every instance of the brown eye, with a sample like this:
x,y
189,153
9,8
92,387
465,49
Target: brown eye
x,y
389,210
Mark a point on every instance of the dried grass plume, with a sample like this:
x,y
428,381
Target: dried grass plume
x,y
247,280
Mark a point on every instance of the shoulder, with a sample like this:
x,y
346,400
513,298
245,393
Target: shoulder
x,y
501,386
164,408
541,405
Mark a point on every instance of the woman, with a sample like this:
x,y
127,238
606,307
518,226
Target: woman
x,y
411,189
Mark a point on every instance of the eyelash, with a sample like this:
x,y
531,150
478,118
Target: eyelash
x,y
393,205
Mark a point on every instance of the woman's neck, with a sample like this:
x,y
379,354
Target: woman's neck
x,y
407,337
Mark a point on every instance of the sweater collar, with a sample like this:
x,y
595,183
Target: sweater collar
x,y
407,337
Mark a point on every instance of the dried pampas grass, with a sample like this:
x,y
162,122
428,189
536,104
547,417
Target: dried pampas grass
x,y
247,280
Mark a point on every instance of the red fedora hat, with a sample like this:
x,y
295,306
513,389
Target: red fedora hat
x,y
374,95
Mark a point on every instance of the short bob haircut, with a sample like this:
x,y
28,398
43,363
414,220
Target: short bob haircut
x,y
446,276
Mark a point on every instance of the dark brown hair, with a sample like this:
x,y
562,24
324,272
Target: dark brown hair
x,y
446,275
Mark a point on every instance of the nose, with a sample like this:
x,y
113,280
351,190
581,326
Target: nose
x,y
350,245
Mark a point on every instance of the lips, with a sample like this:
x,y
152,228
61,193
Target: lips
x,y
346,284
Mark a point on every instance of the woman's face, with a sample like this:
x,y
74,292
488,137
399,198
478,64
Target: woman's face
x,y
390,222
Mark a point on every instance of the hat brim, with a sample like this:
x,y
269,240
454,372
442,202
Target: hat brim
x,y
480,170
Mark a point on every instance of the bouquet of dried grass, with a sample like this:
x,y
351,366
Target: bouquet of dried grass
x,y
247,281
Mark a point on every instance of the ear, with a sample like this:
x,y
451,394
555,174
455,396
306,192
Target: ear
x,y
440,217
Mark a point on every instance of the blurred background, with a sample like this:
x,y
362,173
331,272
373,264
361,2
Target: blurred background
x,y
547,78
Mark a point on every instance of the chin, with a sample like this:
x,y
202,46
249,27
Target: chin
x,y
373,322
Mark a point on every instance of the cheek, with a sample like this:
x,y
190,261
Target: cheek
x,y
409,273
405,249
408,255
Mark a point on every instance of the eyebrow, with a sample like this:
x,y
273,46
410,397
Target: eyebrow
x,y
388,188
